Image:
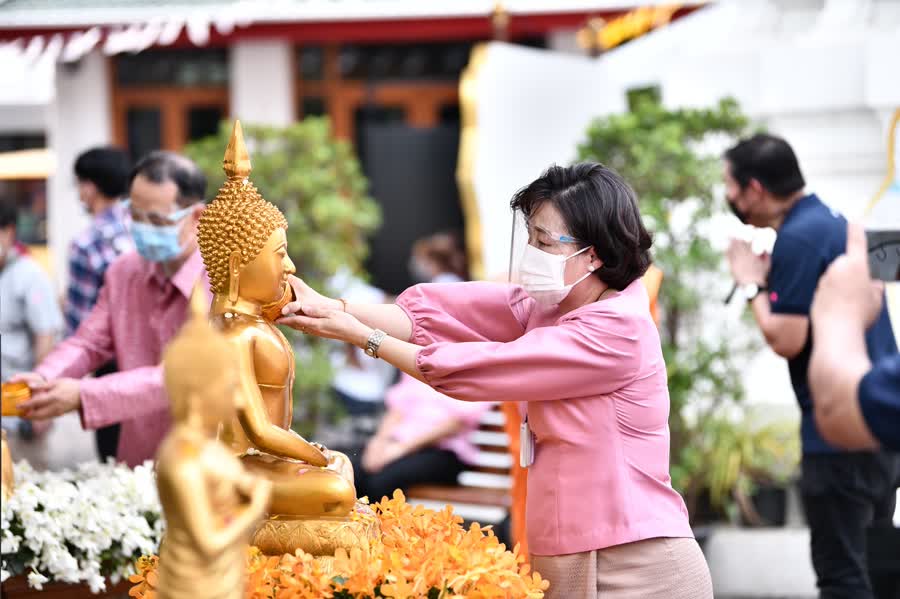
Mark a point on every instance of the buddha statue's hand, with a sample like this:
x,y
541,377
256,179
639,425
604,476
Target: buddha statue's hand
x,y
322,448
304,295
340,463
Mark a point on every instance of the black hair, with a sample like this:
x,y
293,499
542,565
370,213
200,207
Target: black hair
x,y
8,213
600,210
768,159
107,168
161,166
445,249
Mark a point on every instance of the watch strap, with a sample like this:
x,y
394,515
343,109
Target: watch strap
x,y
373,343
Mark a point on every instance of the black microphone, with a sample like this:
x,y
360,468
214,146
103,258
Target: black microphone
x,y
731,293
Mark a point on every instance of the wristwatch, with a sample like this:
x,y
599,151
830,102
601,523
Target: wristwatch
x,y
374,342
751,290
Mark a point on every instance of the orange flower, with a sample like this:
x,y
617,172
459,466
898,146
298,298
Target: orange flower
x,y
144,578
419,551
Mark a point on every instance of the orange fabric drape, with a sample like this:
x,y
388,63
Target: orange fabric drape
x,y
519,477
653,282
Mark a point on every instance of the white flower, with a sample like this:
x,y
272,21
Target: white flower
x,y
36,580
67,519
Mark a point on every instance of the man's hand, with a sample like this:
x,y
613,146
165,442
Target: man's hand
x,y
34,381
746,266
846,290
846,303
53,399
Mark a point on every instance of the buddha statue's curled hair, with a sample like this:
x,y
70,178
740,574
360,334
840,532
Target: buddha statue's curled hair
x,y
238,219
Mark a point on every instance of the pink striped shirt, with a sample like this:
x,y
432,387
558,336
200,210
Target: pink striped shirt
x,y
596,389
138,312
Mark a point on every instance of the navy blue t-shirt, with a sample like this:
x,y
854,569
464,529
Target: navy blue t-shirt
x,y
879,400
810,238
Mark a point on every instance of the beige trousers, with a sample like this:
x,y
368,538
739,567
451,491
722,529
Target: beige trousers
x,y
661,568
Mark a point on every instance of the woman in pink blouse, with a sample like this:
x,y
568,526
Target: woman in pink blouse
x,y
576,345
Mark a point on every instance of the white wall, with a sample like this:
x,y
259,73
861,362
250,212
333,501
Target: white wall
x,y
78,120
262,82
533,109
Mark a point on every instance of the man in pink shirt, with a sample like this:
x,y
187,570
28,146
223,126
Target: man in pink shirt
x,y
142,304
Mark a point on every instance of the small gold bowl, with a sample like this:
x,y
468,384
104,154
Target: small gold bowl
x,y
11,395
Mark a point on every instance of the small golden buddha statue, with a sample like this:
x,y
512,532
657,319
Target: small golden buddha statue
x,y
211,504
8,476
244,247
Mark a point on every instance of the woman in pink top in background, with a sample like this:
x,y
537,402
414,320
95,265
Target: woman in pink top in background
x,y
424,435
423,439
576,343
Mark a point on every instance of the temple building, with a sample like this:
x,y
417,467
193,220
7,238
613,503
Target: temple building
x,y
145,76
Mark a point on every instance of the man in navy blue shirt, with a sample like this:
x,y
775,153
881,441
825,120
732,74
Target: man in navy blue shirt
x,y
857,402
843,493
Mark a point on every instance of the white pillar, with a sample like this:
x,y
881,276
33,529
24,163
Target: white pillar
x,y
79,118
262,82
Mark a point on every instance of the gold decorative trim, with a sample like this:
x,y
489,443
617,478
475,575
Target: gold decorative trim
x,y
465,166
892,165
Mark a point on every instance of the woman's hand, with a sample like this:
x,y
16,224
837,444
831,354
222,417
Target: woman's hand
x,y
307,296
330,323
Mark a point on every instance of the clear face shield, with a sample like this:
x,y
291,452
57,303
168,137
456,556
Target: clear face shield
x,y
538,258
525,233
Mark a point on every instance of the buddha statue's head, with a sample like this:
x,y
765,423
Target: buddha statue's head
x,y
200,371
242,236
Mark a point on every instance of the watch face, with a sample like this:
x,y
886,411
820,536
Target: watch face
x,y
751,290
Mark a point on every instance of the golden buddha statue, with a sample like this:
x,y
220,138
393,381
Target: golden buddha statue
x,y
211,504
244,247
8,477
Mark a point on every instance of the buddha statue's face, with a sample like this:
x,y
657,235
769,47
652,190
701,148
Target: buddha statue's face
x,y
263,280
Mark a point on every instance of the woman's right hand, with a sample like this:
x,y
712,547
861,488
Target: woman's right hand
x,y
304,295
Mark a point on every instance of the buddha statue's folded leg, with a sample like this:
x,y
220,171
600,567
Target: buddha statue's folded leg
x,y
303,490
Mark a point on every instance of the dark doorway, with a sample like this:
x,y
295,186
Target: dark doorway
x,y
412,173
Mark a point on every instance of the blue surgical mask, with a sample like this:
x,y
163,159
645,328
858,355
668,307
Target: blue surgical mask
x,y
156,244
159,243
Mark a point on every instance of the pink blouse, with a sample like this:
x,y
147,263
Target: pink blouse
x,y
422,409
597,400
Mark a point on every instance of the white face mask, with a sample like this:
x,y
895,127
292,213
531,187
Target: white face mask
x,y
543,275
